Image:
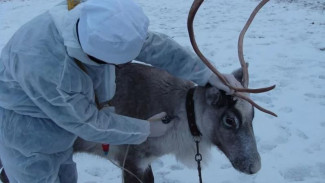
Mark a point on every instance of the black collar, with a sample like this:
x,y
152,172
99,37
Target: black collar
x,y
191,113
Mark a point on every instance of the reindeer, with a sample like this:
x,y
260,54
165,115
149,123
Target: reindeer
x,y
224,122
221,120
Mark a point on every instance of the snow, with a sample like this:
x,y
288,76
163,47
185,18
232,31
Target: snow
x,y
285,46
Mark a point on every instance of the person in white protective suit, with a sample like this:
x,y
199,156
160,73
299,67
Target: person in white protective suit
x,y
46,100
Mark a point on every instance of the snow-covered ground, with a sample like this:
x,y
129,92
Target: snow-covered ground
x,y
284,46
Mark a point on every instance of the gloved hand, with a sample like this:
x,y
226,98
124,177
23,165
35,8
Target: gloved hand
x,y
157,127
216,82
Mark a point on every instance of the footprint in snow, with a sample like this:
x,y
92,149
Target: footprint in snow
x,y
170,181
260,82
286,109
321,169
284,134
313,96
266,147
96,172
302,135
282,55
322,124
310,95
299,173
176,167
5,27
284,84
161,177
321,76
263,99
226,166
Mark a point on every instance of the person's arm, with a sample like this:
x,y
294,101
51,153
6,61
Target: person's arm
x,y
67,101
161,51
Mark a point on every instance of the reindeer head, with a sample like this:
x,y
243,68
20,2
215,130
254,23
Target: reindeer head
x,y
226,122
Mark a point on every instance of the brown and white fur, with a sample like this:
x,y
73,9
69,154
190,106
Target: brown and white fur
x,y
224,121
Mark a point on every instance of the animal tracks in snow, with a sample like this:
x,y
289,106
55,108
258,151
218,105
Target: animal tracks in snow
x,y
321,77
286,109
304,172
323,124
176,167
315,96
266,147
298,173
96,171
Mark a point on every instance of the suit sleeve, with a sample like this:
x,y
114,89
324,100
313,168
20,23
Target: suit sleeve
x,y
69,102
161,51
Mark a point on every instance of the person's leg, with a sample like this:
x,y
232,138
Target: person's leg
x,y
68,171
33,149
3,175
37,168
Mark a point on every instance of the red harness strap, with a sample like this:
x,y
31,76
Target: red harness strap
x,y
105,148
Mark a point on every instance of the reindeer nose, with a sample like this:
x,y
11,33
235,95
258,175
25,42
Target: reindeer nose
x,y
253,168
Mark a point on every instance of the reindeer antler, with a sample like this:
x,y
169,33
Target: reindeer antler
x,y
195,6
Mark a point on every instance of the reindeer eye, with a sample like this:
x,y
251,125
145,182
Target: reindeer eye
x,y
230,122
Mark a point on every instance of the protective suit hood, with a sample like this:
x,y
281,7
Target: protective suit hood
x,y
65,21
113,31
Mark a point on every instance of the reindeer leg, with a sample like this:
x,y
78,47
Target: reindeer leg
x,y
3,177
146,176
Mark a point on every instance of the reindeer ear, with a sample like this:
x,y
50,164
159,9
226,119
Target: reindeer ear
x,y
218,98
238,74
212,95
